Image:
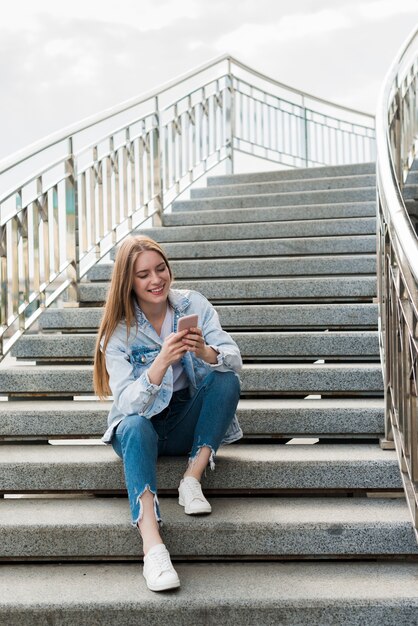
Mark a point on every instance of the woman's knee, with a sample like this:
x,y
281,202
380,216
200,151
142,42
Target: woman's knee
x,y
136,427
227,381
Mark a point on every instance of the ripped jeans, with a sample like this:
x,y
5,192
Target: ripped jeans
x,y
182,428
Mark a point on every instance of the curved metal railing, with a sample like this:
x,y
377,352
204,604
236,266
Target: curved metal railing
x,y
397,141
68,199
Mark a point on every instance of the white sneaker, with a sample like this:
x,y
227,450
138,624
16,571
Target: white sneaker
x,y
159,572
192,498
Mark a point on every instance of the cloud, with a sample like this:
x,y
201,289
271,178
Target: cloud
x,y
289,28
383,9
76,59
146,15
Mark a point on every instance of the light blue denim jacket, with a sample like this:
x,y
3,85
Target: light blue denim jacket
x,y
128,359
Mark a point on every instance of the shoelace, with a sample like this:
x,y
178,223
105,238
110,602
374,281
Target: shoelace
x,y
194,490
162,561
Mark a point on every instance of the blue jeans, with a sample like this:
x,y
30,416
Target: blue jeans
x,y
185,426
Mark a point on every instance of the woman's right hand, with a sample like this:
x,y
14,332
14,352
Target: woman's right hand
x,y
172,350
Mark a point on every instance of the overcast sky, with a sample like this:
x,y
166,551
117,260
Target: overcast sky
x,y
62,61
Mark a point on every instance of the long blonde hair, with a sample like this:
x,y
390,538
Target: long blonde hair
x,y
120,303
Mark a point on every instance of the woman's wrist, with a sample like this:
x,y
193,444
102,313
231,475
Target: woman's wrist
x,y
157,370
210,355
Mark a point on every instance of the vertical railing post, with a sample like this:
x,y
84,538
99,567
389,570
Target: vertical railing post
x,y
305,134
3,284
398,136
230,120
71,226
157,158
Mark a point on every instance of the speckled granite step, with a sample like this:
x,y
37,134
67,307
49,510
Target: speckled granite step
x,y
270,187
264,230
269,246
286,198
245,467
328,171
244,317
267,266
295,594
272,214
255,345
239,527
262,289
258,417
272,378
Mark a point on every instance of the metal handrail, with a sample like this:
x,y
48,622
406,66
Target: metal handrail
x,y
66,200
397,141
88,122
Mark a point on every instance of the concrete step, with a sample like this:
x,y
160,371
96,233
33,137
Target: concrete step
x,y
246,528
267,266
269,247
261,467
256,378
253,345
245,317
328,196
271,214
410,192
262,289
263,230
328,171
301,184
295,594
269,417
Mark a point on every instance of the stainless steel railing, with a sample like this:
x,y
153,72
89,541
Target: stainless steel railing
x,y
66,200
396,138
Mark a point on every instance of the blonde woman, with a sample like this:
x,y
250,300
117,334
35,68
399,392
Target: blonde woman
x,y
174,392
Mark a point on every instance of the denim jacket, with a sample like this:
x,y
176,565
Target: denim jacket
x,y
128,359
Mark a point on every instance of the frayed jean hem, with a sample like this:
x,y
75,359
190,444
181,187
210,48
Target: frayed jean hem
x,y
137,518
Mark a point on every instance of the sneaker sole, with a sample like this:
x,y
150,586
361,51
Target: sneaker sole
x,y
189,512
162,587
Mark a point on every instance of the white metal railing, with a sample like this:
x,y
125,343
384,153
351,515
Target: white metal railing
x,y
397,141
68,199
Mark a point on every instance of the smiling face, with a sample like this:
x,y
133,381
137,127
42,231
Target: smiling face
x,y
151,280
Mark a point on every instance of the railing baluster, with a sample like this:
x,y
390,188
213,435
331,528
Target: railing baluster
x,y
3,283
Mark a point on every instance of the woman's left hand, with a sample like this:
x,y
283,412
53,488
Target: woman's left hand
x,y
195,343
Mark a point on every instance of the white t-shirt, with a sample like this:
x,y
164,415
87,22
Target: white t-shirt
x,y
180,380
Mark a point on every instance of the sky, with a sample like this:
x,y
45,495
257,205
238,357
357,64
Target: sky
x,y
61,62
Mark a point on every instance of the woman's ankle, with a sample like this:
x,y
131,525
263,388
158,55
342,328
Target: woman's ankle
x,y
146,546
150,535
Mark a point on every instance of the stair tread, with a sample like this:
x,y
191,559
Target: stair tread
x,y
243,466
348,453
282,229
239,526
24,369
258,417
52,406
296,197
249,593
27,513
322,171
357,181
235,316
291,212
266,266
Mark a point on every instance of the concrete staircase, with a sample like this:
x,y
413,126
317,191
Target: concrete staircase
x,y
309,522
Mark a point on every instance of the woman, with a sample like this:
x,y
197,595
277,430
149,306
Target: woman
x,y
174,393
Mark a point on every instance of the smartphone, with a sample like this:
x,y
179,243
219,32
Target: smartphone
x,y
188,321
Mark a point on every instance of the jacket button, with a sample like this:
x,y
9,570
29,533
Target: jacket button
x,y
143,359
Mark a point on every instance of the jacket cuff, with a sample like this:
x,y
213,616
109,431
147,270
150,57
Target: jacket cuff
x,y
151,388
219,359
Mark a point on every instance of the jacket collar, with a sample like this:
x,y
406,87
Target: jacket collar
x,y
178,299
